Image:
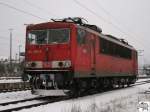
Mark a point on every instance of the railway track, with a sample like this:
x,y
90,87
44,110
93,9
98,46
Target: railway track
x,y
24,100
141,82
30,103
47,100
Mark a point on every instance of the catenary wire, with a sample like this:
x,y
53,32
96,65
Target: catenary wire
x,y
39,8
44,18
22,11
102,18
115,19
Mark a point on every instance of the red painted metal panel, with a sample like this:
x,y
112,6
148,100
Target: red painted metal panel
x,y
47,52
103,63
51,52
85,58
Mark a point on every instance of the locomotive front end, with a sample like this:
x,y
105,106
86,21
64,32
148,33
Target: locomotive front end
x,y
48,58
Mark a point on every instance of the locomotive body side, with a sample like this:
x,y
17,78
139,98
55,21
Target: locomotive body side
x,y
91,61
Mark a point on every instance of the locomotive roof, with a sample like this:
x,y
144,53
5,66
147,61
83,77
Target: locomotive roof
x,y
111,38
91,28
117,41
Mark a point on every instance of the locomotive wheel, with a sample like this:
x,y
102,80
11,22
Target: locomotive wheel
x,y
128,84
75,93
74,89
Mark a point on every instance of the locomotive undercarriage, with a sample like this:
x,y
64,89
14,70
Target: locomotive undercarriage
x,y
55,83
63,83
82,86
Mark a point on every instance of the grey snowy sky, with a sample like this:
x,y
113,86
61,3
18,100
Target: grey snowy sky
x,y
128,19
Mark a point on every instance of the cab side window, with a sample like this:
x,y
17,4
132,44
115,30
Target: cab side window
x,y
81,34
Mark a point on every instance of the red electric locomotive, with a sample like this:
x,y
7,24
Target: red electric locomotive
x,y
70,57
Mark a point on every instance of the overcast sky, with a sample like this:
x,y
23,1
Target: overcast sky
x,y
128,19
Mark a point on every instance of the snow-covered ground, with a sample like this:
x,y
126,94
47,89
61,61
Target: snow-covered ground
x,y
13,96
145,79
19,104
123,100
10,80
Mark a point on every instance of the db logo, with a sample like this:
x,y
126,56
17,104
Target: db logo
x,y
144,106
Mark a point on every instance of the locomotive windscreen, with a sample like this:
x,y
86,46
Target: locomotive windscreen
x,y
49,36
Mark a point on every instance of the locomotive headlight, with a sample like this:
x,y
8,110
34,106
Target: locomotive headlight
x,y
35,64
61,64
67,64
27,64
30,64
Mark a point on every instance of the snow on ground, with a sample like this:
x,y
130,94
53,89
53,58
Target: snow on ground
x,y
145,79
10,80
19,104
13,96
123,100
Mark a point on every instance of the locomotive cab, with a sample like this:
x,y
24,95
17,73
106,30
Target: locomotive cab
x,y
48,57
